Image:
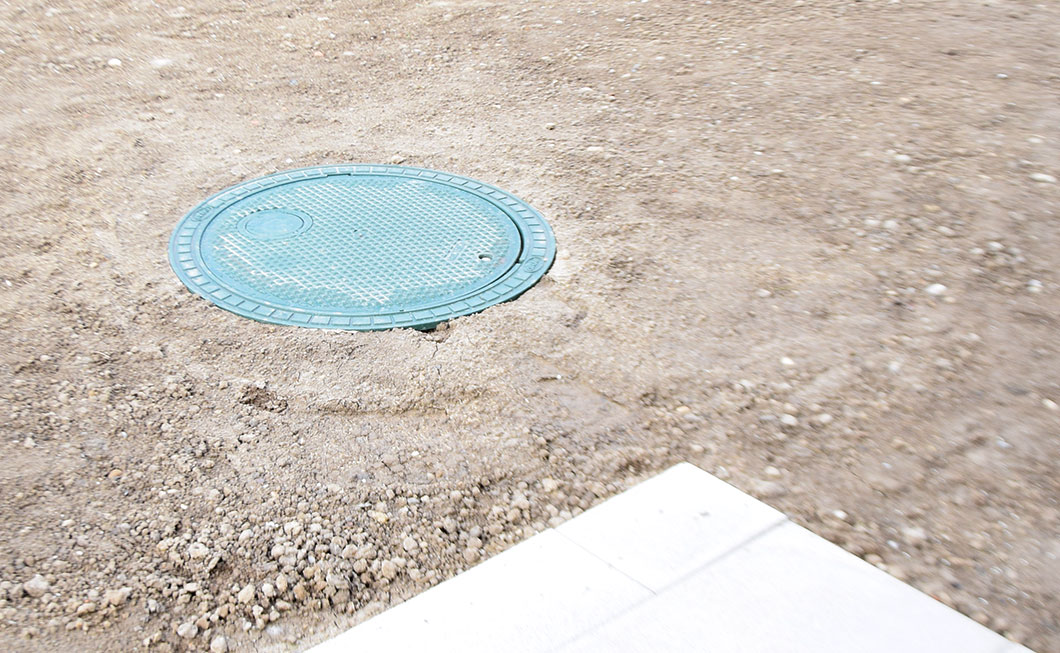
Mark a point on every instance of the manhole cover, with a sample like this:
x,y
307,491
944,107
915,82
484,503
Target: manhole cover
x,y
361,247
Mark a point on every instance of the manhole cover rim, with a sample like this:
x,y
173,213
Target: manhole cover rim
x,y
536,254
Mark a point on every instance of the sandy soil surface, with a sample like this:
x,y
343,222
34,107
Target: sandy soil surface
x,y
807,246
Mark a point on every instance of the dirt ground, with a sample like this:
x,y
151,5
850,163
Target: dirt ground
x,y
809,246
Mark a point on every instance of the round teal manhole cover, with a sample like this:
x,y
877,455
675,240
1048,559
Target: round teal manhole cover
x,y
361,247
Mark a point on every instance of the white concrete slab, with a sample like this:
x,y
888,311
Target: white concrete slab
x,y
683,562
533,597
790,591
661,530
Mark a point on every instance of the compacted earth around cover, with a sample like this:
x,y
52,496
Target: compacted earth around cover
x,y
809,247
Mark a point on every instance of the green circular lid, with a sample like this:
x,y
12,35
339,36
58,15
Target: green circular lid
x,y
362,247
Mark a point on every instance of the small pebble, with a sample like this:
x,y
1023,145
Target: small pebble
x,y
246,595
219,644
1043,178
187,630
769,489
914,535
198,551
114,63
936,290
117,597
1034,285
789,420
389,569
36,586
763,293
822,419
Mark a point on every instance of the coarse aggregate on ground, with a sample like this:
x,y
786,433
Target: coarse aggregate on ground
x,y
807,246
